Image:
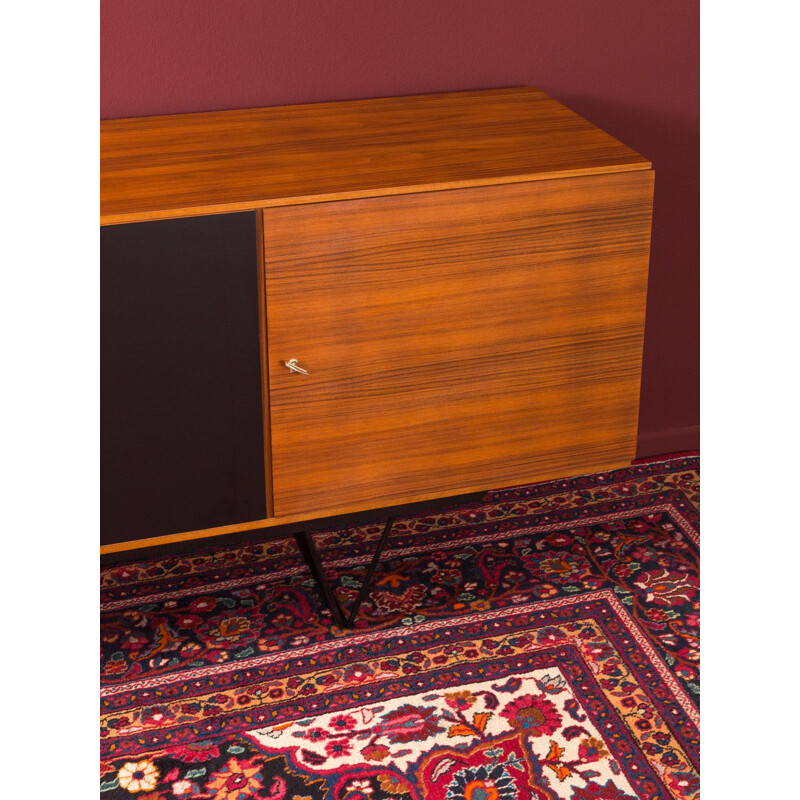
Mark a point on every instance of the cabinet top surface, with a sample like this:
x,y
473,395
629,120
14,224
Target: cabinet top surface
x,y
208,163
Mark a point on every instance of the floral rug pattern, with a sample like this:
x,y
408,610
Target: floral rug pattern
x,y
543,643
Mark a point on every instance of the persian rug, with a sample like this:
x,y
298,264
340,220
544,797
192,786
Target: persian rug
x,y
542,643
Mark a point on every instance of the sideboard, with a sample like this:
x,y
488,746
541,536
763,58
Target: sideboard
x,y
320,309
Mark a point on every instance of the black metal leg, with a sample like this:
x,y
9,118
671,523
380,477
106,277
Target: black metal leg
x,y
364,590
305,543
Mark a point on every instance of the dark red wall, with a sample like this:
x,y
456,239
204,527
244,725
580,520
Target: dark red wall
x,y
629,66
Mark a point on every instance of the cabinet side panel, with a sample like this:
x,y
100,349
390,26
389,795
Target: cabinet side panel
x,y
455,341
181,414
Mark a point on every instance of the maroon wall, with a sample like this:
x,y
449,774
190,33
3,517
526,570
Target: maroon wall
x,y
631,67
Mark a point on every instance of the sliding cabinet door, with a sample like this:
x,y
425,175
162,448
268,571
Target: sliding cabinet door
x,y
182,436
456,340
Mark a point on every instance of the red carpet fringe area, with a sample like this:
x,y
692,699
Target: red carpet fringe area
x,y
542,643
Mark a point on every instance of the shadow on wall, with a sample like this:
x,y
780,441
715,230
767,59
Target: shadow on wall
x,y
669,417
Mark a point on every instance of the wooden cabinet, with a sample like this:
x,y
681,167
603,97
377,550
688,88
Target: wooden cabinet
x,y
461,277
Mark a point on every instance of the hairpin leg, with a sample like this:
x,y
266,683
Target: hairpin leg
x,y
305,543
364,590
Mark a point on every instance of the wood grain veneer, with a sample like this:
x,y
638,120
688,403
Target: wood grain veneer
x,y
454,340
193,164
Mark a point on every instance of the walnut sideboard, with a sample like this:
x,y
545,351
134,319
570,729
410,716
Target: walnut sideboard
x,y
321,309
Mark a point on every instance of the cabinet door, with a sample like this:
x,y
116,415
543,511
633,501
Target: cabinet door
x,y
181,417
454,341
